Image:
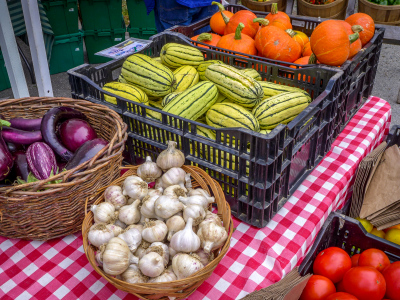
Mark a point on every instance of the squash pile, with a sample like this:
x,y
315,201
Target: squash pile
x,y
332,42
181,82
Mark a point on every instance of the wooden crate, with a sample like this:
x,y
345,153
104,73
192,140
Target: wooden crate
x,y
264,6
334,10
382,14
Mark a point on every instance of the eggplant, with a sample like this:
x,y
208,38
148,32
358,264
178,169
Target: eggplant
x,y
13,147
16,136
86,152
21,165
26,124
41,160
6,159
49,124
75,132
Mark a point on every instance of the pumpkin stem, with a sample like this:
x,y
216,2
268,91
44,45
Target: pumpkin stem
x,y
274,8
353,37
226,19
204,37
357,28
312,60
220,6
238,33
291,32
263,22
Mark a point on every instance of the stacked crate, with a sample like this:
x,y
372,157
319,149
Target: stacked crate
x,y
141,26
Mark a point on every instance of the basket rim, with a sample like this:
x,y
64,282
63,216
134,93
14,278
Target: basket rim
x,y
200,275
381,7
114,147
322,6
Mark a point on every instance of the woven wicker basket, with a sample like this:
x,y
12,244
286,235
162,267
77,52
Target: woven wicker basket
x,y
40,211
179,288
334,10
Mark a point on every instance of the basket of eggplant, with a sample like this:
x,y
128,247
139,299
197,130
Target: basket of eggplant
x,y
54,155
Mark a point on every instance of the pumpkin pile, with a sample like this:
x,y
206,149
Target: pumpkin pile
x,y
331,43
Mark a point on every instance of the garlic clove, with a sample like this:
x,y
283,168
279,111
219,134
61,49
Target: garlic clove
x,y
165,207
113,194
212,236
194,211
135,187
171,157
185,240
130,214
151,264
174,224
149,171
184,265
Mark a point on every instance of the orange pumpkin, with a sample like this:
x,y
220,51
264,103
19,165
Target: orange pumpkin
x,y
274,43
367,24
238,41
355,46
330,43
276,14
306,51
262,22
306,60
207,38
282,23
242,16
299,37
217,23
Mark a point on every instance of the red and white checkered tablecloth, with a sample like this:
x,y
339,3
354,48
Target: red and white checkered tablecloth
x,y
59,269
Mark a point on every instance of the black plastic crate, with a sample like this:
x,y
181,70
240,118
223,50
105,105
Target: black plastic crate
x,y
346,233
262,169
394,136
359,72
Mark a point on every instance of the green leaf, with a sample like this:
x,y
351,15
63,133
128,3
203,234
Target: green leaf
x,y
4,123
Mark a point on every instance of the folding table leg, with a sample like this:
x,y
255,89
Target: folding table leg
x,y
36,44
10,52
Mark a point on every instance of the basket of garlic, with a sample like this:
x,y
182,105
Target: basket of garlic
x,y
158,242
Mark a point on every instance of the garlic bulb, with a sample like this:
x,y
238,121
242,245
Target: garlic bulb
x,y
153,192
149,171
141,250
172,252
170,157
161,249
185,265
142,220
119,223
196,199
115,229
147,208
133,275
103,213
136,226
135,187
211,218
172,177
205,258
212,236
154,231
132,237
175,191
100,234
99,258
185,240
165,207
113,194
194,211
129,214
167,275
151,264
174,224
117,257
203,193
188,182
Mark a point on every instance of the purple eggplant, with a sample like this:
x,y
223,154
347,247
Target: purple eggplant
x,y
16,136
41,160
75,132
26,124
86,152
6,159
50,121
21,165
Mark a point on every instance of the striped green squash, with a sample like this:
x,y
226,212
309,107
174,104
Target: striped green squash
x,y
193,102
175,55
185,77
228,115
167,99
272,89
151,76
121,79
201,69
252,73
154,114
238,87
126,91
280,109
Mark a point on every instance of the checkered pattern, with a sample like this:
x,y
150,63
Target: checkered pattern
x,y
58,269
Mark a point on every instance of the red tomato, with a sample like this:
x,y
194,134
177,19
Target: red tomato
x,y
318,288
392,277
341,296
374,258
332,263
354,260
366,283
340,287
